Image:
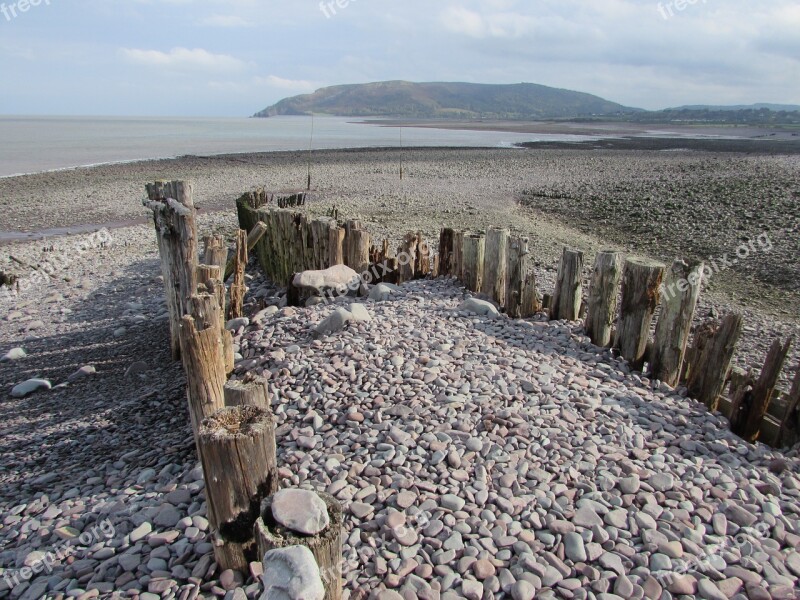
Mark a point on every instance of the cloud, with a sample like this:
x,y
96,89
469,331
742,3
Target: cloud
x,y
464,21
225,21
294,85
184,59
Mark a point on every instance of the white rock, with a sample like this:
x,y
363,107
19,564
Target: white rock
x,y
382,292
27,388
83,372
235,324
335,322
13,354
291,574
479,307
302,511
360,313
340,278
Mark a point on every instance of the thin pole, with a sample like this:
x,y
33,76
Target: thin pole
x,y
310,147
401,154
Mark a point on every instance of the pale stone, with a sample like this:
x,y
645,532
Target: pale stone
x,y
301,511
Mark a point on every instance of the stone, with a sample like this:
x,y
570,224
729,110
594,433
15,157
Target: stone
x,y
235,324
523,590
137,368
291,573
82,373
302,511
479,307
140,532
335,322
382,292
483,569
707,589
29,387
452,502
662,482
574,547
13,355
359,313
335,281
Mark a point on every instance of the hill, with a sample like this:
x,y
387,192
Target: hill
x,y
447,101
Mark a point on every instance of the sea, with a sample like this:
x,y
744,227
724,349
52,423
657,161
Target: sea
x,y
36,144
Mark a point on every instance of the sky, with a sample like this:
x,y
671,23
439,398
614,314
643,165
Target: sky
x,y
236,57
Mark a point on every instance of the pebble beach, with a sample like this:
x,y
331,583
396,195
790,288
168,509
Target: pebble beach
x,y
475,457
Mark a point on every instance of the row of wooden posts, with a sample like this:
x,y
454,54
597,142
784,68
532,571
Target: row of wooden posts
x,y
624,297
232,421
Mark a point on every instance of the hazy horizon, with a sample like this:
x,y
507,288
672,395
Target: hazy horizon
x,y
231,58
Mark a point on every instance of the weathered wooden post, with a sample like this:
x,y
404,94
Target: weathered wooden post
x,y
357,244
495,265
679,295
325,545
238,286
174,217
447,252
336,244
247,393
518,265
237,451
711,356
474,248
458,255
568,295
603,291
763,390
641,279
209,278
253,238
215,252
203,358
790,422
530,296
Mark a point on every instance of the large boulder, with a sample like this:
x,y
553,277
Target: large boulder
x,y
336,281
301,511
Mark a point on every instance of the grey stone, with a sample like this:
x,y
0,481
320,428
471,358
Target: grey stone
x,y
291,574
335,322
13,355
302,511
359,313
26,388
479,307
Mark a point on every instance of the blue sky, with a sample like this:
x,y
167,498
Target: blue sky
x,y
235,57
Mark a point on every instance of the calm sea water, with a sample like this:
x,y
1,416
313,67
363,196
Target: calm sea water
x,y
33,144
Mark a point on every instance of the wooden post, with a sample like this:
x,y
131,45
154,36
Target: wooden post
x,y
208,279
603,293
336,244
357,244
253,238
530,296
215,252
174,217
237,451
474,248
518,265
495,265
458,255
239,287
423,263
679,296
446,252
203,358
325,546
641,279
568,295
254,392
763,390
712,354
790,422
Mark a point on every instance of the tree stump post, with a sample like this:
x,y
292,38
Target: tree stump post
x,y
763,390
325,546
568,295
423,263
174,218
357,243
203,358
530,296
239,286
495,264
712,354
679,295
255,235
336,236
603,291
458,255
641,280
247,393
474,248
238,454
